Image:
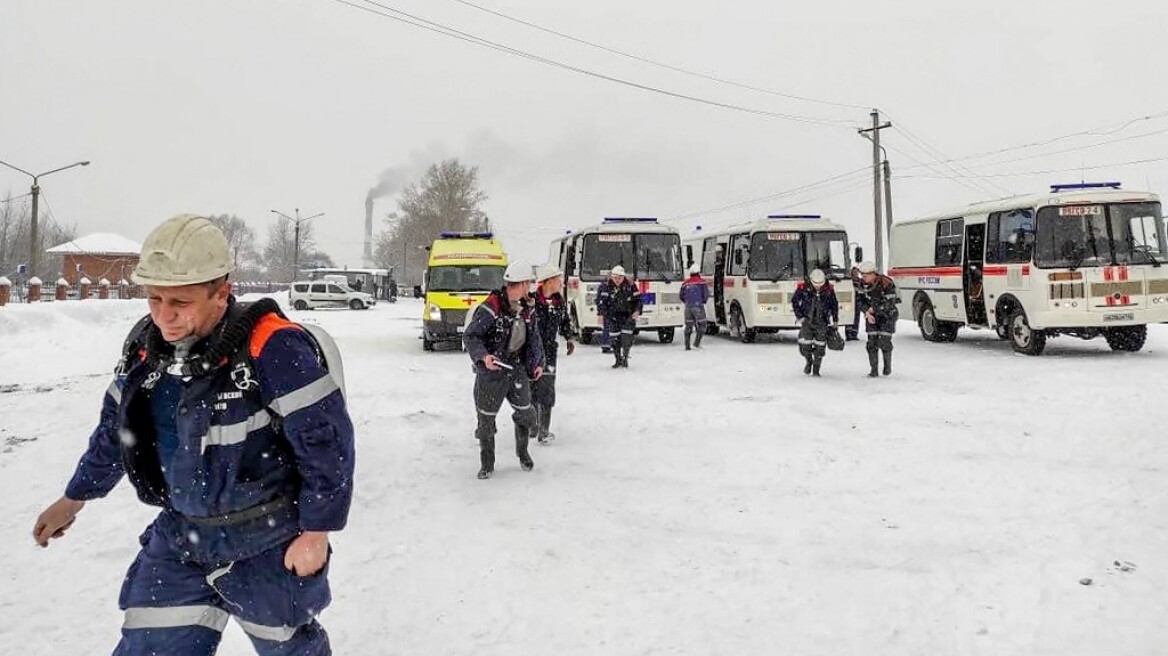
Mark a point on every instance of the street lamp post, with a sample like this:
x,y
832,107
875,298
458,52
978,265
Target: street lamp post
x,y
34,254
296,246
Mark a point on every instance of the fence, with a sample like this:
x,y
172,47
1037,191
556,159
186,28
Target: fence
x,y
34,290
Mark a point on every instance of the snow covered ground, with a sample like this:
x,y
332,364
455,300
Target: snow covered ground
x,y
714,502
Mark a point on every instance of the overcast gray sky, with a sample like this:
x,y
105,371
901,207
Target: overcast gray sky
x,y
240,107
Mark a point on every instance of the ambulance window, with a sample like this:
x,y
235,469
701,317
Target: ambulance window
x,y
318,288
950,234
739,255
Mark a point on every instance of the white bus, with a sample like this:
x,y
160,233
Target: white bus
x,y
754,269
649,252
1084,260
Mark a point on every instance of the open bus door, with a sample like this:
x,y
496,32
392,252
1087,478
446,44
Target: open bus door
x,y
719,251
973,275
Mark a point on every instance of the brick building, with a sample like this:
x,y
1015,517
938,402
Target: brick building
x,y
101,255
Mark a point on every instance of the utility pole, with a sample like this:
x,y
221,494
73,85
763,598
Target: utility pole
x,y
888,203
877,126
296,246
34,251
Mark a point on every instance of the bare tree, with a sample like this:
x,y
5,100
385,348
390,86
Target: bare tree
x,y
447,198
15,232
241,237
279,254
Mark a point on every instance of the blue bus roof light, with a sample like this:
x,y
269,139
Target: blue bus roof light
x,y
1085,185
466,235
630,219
794,216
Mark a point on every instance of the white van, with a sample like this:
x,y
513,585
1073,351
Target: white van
x,y
312,294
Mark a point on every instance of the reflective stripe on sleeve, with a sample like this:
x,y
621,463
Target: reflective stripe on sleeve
x,y
175,616
115,392
306,396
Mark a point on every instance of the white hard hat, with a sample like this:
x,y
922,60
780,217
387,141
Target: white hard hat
x,y
185,250
694,269
867,266
546,272
817,277
518,272
617,270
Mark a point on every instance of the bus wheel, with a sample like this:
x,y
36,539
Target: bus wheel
x,y
427,345
1002,330
300,305
712,328
1126,338
356,304
1023,338
933,329
738,326
665,335
586,336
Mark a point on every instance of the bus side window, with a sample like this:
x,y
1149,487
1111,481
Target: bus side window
x,y
689,258
570,260
740,259
950,236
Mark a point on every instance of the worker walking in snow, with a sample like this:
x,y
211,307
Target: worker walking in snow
x,y
619,301
878,300
552,316
694,294
817,313
227,418
852,331
503,342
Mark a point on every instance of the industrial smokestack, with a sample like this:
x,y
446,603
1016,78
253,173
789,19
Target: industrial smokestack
x,y
369,231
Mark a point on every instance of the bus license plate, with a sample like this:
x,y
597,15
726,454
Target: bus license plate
x,y
1121,316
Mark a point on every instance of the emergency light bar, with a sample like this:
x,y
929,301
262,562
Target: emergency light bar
x,y
466,235
630,219
1085,185
794,216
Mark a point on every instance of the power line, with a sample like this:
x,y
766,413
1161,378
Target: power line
x,y
1076,149
644,60
771,197
1050,171
438,28
1102,131
942,159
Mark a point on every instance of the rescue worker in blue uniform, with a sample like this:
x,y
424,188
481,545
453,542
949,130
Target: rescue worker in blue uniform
x,y
694,294
619,301
228,420
503,342
817,312
551,312
877,300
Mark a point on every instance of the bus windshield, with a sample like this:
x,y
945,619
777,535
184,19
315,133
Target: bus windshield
x,y
477,278
651,256
1103,234
828,252
776,256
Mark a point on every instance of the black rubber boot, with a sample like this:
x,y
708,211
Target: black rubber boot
x,y
545,425
887,361
688,335
626,347
873,361
698,336
807,367
486,457
816,364
521,440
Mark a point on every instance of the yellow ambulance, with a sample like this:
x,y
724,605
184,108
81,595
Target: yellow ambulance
x,y
463,268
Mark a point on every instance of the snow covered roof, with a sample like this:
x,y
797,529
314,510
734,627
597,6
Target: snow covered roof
x,y
100,243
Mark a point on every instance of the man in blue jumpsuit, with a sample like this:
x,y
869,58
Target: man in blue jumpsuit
x,y
228,420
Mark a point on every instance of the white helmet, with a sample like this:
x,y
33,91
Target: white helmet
x,y
867,266
547,272
185,250
694,269
618,270
818,278
518,272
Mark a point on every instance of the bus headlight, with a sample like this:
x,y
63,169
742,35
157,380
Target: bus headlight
x,y
435,313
